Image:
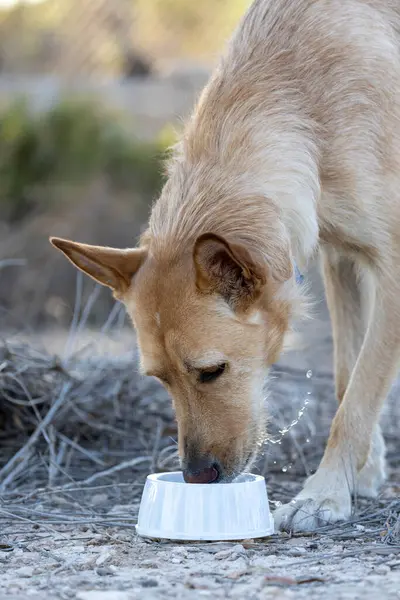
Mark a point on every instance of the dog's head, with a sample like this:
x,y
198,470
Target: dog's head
x,y
209,322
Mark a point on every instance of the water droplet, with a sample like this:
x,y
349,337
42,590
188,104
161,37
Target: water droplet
x,y
278,503
274,462
309,374
308,441
284,469
309,393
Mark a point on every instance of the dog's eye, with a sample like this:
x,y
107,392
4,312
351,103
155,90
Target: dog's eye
x,y
212,374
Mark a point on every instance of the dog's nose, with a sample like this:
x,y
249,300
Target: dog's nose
x,y
204,474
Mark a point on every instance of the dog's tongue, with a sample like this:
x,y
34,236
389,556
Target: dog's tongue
x,y
207,475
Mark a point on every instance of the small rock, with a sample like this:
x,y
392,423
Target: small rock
x,y
295,541
148,583
176,560
313,546
180,552
24,572
103,558
149,563
382,570
238,566
122,509
239,548
232,553
103,571
298,551
99,499
213,548
77,549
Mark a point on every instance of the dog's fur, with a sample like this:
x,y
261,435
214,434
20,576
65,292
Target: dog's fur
x,y
294,145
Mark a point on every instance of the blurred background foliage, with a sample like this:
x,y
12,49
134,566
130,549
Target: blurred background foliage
x,y
106,34
74,142
92,93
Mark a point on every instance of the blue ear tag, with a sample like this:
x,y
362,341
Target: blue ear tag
x,y
299,276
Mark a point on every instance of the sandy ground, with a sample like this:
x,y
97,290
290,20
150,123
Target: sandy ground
x,y
115,565
75,560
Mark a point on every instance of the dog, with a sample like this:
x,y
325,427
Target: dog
x,y
293,148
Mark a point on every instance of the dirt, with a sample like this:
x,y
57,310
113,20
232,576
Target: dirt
x,y
79,563
51,553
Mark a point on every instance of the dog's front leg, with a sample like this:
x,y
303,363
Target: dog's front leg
x,y
326,496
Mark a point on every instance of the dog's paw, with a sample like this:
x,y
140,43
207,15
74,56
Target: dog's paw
x,y
309,514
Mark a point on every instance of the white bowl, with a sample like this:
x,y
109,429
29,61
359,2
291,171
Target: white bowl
x,y
175,510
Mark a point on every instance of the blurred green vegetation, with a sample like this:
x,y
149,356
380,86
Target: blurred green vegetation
x,y
98,36
184,28
74,142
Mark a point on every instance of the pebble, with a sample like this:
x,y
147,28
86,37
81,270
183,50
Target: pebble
x,y
263,562
238,565
382,569
24,572
103,571
214,548
239,548
299,551
180,552
148,583
99,499
103,558
149,563
232,554
313,546
122,509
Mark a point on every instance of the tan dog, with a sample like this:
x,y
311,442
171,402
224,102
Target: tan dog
x,y
294,145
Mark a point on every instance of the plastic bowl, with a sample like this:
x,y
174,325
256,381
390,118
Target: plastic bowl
x,y
175,510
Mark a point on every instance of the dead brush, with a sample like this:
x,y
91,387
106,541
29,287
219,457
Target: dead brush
x,y
79,434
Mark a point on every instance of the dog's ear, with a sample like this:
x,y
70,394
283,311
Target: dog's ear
x,y
229,270
108,266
